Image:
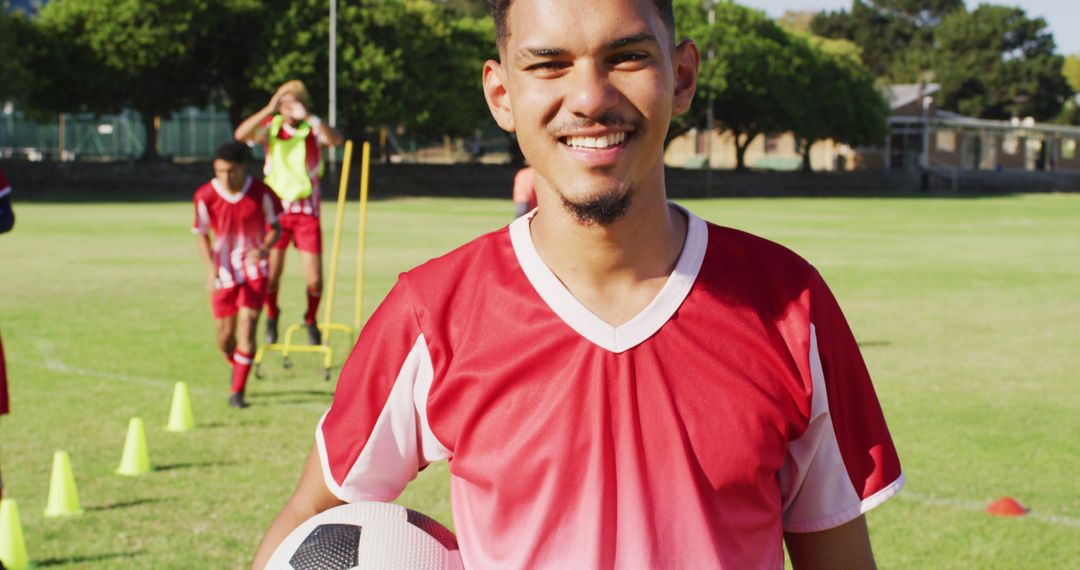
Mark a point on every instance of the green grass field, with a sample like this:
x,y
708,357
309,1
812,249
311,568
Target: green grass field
x,y
967,310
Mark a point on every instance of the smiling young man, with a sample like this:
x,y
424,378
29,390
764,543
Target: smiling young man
x,y
615,382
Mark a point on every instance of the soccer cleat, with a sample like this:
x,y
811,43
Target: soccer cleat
x,y
271,331
313,334
237,401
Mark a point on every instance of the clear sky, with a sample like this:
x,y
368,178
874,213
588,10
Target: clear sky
x,y
1059,14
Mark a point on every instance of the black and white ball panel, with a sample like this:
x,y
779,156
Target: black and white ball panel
x,y
368,536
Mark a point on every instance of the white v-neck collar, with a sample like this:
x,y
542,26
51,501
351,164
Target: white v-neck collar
x,y
229,196
578,317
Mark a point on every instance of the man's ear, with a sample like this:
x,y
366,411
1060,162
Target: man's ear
x,y
497,95
687,64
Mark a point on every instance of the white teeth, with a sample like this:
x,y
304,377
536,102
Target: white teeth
x,y
596,142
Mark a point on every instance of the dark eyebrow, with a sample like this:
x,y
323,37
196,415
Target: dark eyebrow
x,y
632,39
543,52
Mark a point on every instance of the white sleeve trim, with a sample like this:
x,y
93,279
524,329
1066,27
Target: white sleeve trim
x,y
5,191
867,505
268,209
391,457
202,227
817,491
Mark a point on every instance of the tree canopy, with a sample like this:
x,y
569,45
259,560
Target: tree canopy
x,y
15,75
994,62
107,56
762,79
413,64
896,36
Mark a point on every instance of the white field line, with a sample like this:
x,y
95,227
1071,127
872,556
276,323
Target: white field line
x,y
971,505
53,363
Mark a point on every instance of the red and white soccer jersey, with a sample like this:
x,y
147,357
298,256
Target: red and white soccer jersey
x,y
5,405
5,188
238,222
735,407
313,160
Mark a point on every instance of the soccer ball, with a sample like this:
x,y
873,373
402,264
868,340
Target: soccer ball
x,y
368,536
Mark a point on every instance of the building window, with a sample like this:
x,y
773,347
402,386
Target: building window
x,y
946,141
1068,149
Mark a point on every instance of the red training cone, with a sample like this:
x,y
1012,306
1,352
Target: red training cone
x,y
1007,507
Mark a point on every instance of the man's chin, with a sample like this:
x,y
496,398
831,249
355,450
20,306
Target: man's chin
x,y
600,208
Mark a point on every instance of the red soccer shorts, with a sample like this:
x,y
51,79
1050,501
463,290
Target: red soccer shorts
x,y
303,230
227,302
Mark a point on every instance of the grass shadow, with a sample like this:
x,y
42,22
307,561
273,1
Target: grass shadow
x,y
874,343
276,393
125,504
295,401
84,559
193,465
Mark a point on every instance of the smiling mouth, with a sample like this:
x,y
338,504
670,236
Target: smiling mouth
x,y
596,143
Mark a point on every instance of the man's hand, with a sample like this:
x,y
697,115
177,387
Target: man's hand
x,y
255,255
275,101
211,282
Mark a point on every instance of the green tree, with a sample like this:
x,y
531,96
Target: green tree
x,y
749,72
896,36
229,55
1071,70
997,63
16,38
109,55
409,63
839,99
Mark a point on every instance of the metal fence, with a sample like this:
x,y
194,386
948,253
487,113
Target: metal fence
x,y
190,134
194,134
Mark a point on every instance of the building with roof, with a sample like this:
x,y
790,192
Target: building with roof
x,y
920,136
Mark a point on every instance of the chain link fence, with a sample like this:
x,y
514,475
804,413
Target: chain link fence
x,y
190,134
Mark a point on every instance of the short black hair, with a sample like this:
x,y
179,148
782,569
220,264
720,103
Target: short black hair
x,y
233,151
500,9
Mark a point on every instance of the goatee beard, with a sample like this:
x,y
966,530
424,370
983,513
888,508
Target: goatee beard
x,y
602,209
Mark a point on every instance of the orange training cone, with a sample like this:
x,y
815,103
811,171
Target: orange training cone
x,y
1007,507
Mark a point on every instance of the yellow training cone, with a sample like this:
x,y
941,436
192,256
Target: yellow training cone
x,y
180,417
12,546
63,498
135,461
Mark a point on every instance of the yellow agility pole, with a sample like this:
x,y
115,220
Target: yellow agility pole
x,y
327,325
365,169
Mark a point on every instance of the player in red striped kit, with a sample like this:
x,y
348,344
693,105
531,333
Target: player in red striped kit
x,y
7,221
232,214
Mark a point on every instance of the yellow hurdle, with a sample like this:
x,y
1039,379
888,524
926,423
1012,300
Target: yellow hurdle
x,y
328,325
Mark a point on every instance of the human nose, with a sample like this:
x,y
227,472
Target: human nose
x,y
591,93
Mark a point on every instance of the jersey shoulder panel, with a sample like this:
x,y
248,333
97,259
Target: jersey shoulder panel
x,y
457,272
205,193
754,251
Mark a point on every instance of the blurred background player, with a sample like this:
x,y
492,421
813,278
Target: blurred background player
x,y
293,139
7,221
524,191
237,209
